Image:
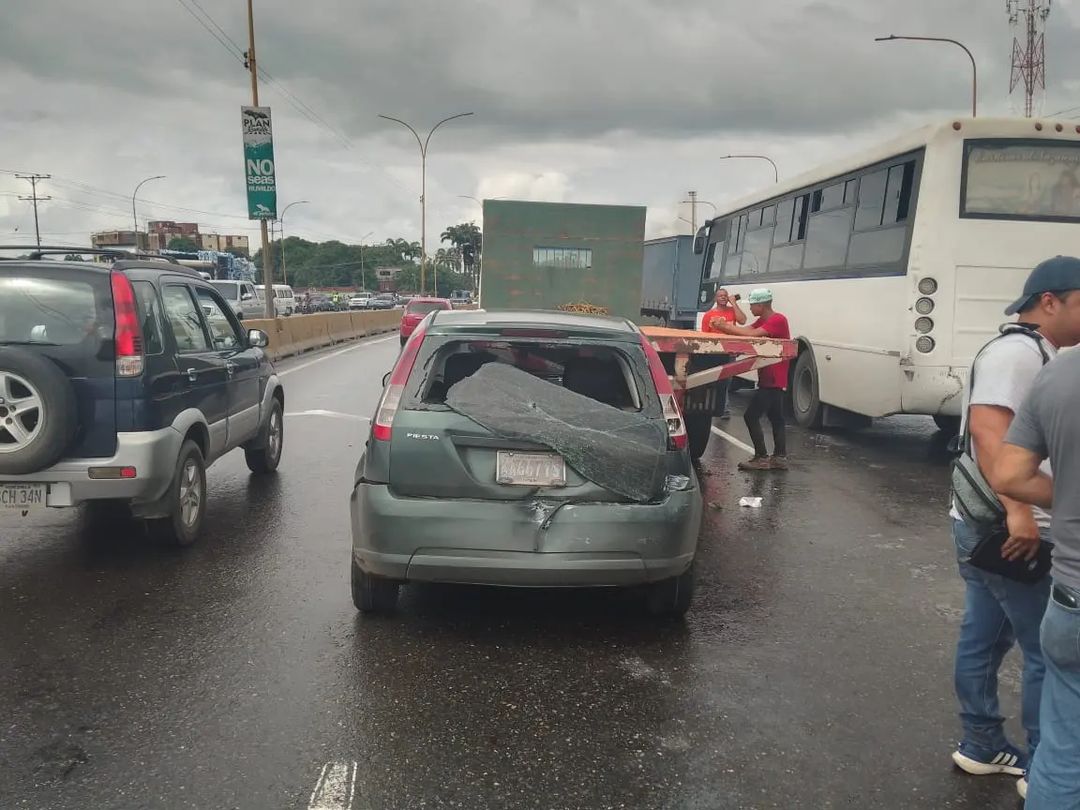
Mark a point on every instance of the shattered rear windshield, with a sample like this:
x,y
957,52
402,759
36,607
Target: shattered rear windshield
x,y
603,373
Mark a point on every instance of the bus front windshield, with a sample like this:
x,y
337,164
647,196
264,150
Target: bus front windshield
x,y
1019,179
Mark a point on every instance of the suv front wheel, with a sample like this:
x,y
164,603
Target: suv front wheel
x,y
185,500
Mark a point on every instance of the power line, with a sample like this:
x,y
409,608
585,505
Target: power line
x,y
236,54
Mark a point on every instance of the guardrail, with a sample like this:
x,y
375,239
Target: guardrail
x,y
301,333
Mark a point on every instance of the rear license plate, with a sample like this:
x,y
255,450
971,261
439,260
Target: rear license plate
x,y
22,498
530,469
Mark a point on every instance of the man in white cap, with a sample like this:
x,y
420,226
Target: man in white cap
x,y
772,383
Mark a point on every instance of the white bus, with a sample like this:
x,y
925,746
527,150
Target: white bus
x,y
895,265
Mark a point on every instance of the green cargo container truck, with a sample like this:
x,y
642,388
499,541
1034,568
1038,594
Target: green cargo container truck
x,y
540,255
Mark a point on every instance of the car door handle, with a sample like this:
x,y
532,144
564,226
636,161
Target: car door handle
x,y
230,367
192,375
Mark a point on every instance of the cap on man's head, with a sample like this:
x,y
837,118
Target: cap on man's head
x,y
762,295
1059,274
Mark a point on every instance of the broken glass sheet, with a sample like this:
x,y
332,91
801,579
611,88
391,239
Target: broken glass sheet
x,y
621,451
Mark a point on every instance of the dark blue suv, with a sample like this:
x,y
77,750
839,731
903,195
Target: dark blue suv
x,y
120,384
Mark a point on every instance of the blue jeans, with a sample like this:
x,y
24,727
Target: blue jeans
x,y
1054,779
998,612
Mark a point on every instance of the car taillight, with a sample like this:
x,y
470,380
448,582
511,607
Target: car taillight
x,y
128,340
676,426
381,429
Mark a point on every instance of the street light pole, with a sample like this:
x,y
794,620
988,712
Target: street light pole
x,y
423,144
281,221
135,216
776,171
363,277
957,43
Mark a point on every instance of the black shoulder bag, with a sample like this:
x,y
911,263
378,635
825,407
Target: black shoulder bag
x,y
978,503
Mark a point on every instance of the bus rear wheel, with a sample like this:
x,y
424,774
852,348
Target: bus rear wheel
x,y
805,392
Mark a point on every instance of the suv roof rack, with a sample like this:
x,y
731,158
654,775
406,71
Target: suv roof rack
x,y
143,264
38,252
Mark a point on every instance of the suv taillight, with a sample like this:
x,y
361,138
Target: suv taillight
x,y
128,339
677,438
381,429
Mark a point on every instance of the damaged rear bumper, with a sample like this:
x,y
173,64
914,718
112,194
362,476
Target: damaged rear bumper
x,y
520,543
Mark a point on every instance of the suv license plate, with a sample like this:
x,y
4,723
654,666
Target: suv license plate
x,y
530,469
22,498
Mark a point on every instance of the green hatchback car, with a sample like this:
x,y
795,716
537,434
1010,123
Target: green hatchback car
x,y
527,449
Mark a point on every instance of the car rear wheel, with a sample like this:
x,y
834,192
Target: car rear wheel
x,y
671,598
265,458
185,500
373,594
698,431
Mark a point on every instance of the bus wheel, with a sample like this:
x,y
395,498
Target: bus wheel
x,y
805,399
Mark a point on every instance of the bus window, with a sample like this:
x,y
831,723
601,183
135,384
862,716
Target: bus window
x,y
785,215
717,249
786,258
871,200
756,256
1021,179
829,198
827,239
898,193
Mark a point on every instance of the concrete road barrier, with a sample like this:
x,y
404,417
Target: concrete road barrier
x,y
301,333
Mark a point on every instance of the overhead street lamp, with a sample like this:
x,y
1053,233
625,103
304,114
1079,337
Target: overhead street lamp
x,y
281,221
423,144
957,43
134,215
363,277
776,171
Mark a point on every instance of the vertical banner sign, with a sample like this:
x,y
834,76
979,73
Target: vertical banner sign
x,y
259,163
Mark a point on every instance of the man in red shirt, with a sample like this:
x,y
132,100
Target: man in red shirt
x,y
772,383
725,309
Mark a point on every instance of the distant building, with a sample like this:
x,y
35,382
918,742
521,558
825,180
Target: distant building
x,y
122,240
223,242
163,231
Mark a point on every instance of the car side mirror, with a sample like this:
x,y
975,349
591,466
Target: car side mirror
x,y
246,297
699,241
258,339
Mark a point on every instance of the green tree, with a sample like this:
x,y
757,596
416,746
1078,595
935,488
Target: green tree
x,y
182,243
469,240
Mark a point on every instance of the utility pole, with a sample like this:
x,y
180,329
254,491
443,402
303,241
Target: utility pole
x,y
268,268
693,211
33,178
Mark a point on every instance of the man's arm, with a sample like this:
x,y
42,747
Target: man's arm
x,y
740,316
989,424
743,331
1016,474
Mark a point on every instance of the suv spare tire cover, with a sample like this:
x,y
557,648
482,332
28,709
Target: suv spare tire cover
x,y
51,430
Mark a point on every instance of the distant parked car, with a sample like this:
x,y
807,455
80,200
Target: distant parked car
x,y
382,301
415,311
241,297
359,301
321,303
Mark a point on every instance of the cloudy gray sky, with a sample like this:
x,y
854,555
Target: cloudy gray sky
x,y
612,101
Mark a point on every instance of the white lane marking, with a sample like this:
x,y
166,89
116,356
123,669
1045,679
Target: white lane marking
x,y
352,348
336,787
729,438
331,414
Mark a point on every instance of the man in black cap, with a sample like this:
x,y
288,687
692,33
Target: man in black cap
x,y
1000,612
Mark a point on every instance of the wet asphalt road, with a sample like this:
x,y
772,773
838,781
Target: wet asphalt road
x,y
813,671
